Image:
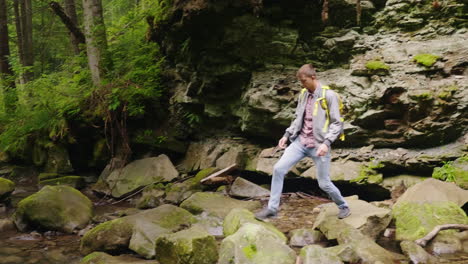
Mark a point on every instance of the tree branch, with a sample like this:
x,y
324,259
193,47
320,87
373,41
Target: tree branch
x,y
57,8
423,241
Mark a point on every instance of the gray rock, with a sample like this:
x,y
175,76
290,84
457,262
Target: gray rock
x,y
339,171
303,237
246,189
445,243
101,257
151,197
314,254
6,188
58,160
345,253
416,253
178,192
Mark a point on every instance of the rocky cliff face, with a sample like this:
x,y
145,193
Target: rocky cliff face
x,y
401,73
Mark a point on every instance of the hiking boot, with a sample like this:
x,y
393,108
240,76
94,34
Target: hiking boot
x,y
344,212
265,213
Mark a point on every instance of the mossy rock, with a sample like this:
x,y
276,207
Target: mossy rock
x,y
369,174
77,182
190,246
110,236
415,220
6,188
316,254
152,196
178,192
456,172
48,175
238,217
255,244
104,258
377,67
60,208
426,60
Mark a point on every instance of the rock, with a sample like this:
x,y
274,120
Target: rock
x,y
365,217
234,155
215,204
365,248
246,189
202,155
456,171
6,188
6,225
239,217
314,254
440,192
137,232
405,181
255,244
445,243
76,182
415,219
345,252
58,160
178,192
140,173
190,246
303,237
60,208
416,253
151,197
339,171
101,257
48,175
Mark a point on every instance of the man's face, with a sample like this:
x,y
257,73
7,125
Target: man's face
x,y
307,82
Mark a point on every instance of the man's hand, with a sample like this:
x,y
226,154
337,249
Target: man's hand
x,y
322,150
283,143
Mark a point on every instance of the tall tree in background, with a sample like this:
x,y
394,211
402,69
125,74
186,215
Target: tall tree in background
x,y
24,31
70,10
96,40
6,73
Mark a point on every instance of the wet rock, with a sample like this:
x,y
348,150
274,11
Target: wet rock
x,y
151,197
138,230
76,182
6,188
365,247
190,246
178,192
416,253
255,244
445,243
313,254
215,204
239,217
367,218
303,237
140,173
246,189
101,257
58,160
60,208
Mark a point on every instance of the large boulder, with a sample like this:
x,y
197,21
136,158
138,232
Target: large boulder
x,y
246,189
6,188
140,173
416,253
365,217
190,246
314,254
60,208
178,192
255,244
104,258
215,204
137,232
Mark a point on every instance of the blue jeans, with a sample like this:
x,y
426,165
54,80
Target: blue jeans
x,y
292,155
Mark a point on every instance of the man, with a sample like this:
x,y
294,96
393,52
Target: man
x,y
311,135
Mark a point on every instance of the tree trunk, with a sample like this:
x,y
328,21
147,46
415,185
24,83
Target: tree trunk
x,y
325,12
70,10
76,36
358,12
6,73
96,41
23,21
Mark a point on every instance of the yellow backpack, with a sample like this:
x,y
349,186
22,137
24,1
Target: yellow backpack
x,y
324,104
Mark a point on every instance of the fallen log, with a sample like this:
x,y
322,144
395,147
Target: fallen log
x,y
423,241
222,172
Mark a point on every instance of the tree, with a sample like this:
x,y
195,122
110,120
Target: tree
x,y
96,40
23,19
70,20
7,77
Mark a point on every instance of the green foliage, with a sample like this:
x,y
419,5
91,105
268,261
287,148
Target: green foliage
x,y
445,173
148,137
250,251
426,59
370,173
377,65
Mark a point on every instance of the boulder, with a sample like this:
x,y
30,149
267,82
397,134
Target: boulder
x,y
416,253
137,231
234,155
190,246
405,181
239,217
365,217
339,171
456,171
140,173
216,204
60,208
101,257
76,182
246,189
255,244
446,243
6,225
178,192
345,252
202,155
6,188
366,249
58,160
305,236
151,197
314,254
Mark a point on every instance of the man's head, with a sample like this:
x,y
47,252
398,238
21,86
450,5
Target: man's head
x,y
308,77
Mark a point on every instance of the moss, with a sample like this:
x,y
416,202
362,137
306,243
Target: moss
x,y
6,186
415,220
110,235
94,258
73,181
426,59
48,175
377,65
453,172
369,174
447,92
250,251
